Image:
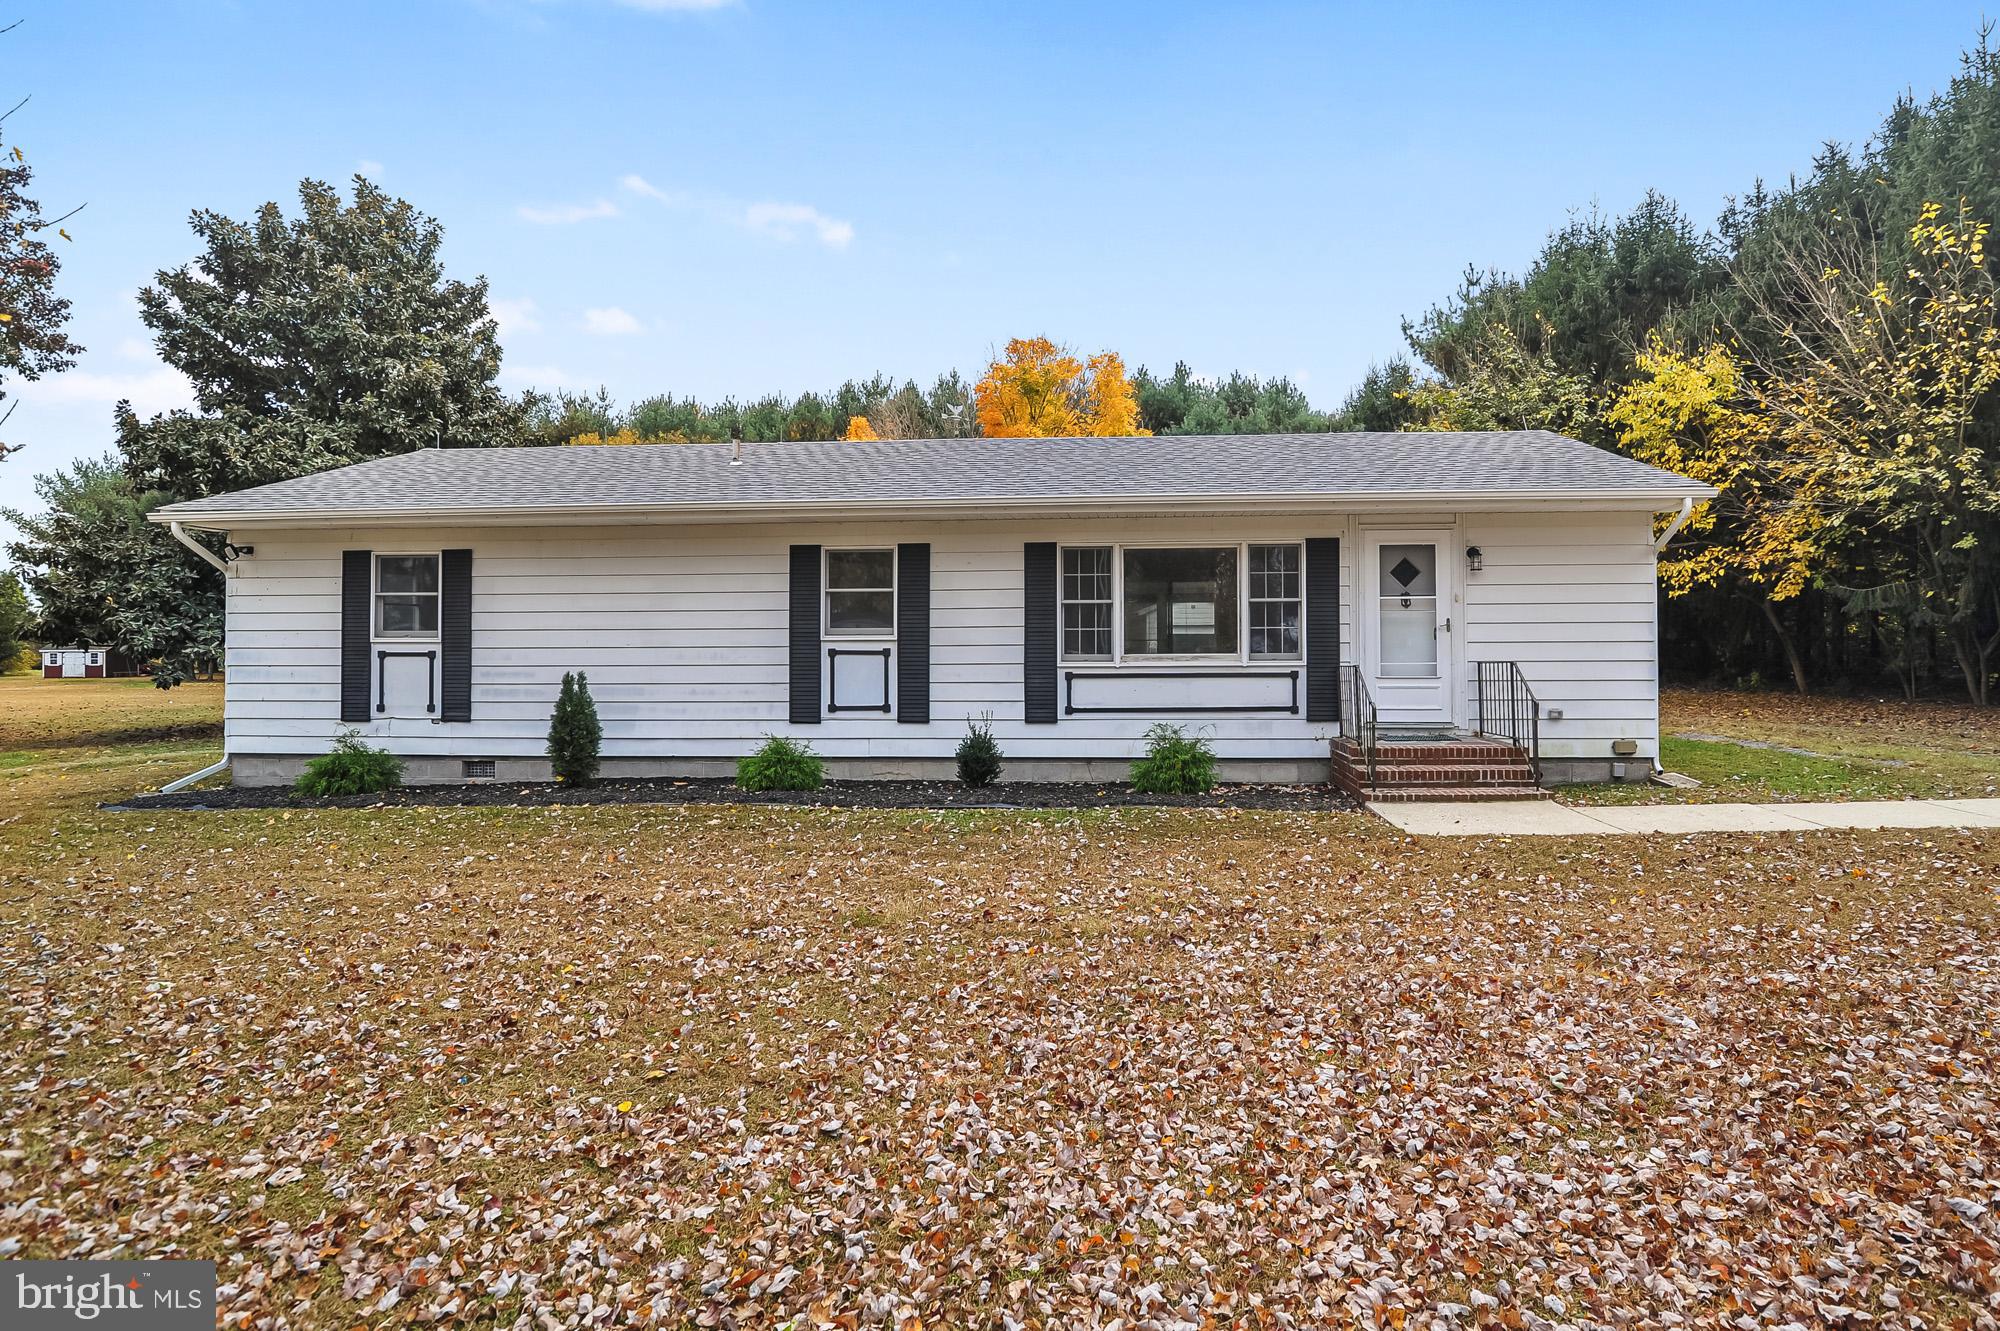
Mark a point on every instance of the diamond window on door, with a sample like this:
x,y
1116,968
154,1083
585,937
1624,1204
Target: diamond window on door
x,y
1406,612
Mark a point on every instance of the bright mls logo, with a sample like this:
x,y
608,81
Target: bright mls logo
x,y
136,1296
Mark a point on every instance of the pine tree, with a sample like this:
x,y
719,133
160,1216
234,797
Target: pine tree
x,y
575,734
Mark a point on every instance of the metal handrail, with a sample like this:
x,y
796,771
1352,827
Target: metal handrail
x,y
1508,709
1357,716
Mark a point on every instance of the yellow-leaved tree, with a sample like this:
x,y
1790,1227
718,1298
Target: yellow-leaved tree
x,y
1694,413
1040,390
1876,397
859,428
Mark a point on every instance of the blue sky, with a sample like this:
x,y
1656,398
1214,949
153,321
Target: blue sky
x,y
765,195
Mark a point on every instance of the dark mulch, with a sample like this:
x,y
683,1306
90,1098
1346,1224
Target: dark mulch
x,y
718,790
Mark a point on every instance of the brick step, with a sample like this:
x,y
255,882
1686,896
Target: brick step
x,y
1517,775
1449,794
1474,752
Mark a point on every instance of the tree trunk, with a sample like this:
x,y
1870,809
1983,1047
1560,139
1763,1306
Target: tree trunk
x,y
1785,641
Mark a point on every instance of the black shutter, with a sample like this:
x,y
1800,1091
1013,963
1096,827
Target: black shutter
x,y
1038,633
806,705
1323,629
913,634
357,573
455,636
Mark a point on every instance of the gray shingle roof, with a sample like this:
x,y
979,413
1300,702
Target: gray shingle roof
x,y
915,472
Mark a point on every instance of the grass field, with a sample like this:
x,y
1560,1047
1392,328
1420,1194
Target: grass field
x,y
761,1067
1779,747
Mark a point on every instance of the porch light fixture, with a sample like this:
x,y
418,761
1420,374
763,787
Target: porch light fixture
x,y
1475,558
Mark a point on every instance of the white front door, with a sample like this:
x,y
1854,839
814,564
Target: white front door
x,y
1407,600
72,665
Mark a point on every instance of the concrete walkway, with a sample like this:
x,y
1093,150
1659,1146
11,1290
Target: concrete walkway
x,y
1547,818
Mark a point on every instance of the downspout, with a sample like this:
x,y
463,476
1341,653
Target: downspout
x,y
1673,528
208,557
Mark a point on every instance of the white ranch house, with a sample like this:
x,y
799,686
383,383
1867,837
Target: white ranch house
x,y
1275,591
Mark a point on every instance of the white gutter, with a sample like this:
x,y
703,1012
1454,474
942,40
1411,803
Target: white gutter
x,y
1269,501
1680,520
208,557
191,543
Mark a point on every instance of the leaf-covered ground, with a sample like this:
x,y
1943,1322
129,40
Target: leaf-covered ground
x,y
582,1067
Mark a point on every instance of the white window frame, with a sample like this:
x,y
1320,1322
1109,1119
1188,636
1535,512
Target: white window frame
x,y
1250,599
375,594
826,590
1118,658
1063,602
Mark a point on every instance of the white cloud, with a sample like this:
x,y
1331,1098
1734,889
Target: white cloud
x,y
369,167
786,222
515,316
610,321
149,391
135,348
563,214
640,185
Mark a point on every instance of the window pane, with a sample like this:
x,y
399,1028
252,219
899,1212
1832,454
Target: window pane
x,y
406,573
874,569
860,612
1274,628
416,615
1274,572
1180,602
1087,630
1408,570
1086,575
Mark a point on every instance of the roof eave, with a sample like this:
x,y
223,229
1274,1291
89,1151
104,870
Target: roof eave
x,y
1648,500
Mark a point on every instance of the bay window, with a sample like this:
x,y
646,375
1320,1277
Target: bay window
x,y
1138,603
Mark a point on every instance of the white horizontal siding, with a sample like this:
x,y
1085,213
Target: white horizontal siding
x,y
683,632
1571,598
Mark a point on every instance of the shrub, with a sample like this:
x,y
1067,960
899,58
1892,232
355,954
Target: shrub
x,y
1176,763
353,768
575,734
782,764
979,752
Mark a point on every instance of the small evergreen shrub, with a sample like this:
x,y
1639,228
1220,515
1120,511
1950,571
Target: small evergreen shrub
x,y
782,764
1176,763
575,734
979,753
355,767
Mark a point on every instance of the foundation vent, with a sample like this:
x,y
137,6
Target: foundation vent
x,y
478,769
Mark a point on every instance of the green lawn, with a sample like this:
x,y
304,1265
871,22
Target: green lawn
x,y
1773,747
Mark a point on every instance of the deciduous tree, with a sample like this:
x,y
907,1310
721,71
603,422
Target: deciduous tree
x,y
314,342
1039,389
32,315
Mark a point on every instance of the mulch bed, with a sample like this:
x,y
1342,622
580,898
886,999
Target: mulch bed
x,y
718,790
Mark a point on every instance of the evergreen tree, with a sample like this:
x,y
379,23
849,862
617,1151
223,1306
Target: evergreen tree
x,y
15,617
101,573
575,734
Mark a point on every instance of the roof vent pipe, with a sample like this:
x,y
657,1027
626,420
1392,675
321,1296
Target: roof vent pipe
x,y
736,448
